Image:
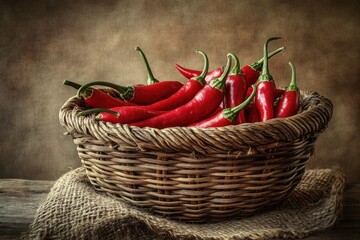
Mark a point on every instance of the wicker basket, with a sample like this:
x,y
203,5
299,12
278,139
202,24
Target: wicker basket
x,y
194,174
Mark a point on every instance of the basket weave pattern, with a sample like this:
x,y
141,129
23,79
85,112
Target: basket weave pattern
x,y
195,174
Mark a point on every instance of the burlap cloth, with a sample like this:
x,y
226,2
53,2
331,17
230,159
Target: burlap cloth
x,y
74,210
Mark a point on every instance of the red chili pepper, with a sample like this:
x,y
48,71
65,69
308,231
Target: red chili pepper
x,y
289,103
140,94
264,98
96,98
189,73
185,93
235,89
123,115
251,113
252,71
204,103
226,117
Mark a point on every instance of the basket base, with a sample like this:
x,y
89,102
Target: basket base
x,y
198,189
73,208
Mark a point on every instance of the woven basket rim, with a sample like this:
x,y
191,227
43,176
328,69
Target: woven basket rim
x,y
313,119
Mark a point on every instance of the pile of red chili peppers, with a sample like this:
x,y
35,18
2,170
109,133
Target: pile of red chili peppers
x,y
220,97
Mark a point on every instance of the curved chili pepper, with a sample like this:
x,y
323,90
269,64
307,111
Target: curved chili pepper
x,y
251,71
264,98
123,115
140,94
185,93
227,116
235,88
289,103
96,98
189,73
151,79
204,103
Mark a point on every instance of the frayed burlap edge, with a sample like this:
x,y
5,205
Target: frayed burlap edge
x,y
74,210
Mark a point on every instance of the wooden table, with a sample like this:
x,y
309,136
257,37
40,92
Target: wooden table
x,y
20,198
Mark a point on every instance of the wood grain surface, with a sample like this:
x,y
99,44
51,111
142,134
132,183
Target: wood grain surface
x,y
20,198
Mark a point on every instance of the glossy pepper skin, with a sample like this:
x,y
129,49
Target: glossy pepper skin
x,y
264,98
140,94
189,73
289,103
122,115
226,117
236,88
250,71
190,88
204,103
96,98
145,95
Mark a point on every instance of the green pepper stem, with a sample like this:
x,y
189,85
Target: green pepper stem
x,y
292,86
201,77
86,92
236,69
151,79
97,110
265,74
219,83
71,84
258,64
232,113
120,89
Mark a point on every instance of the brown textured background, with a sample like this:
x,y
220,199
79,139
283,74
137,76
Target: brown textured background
x,y
44,43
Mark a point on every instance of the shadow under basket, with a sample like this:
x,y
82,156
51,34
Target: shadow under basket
x,y
199,174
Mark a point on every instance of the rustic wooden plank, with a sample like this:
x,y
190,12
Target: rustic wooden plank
x,y
22,186
20,198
